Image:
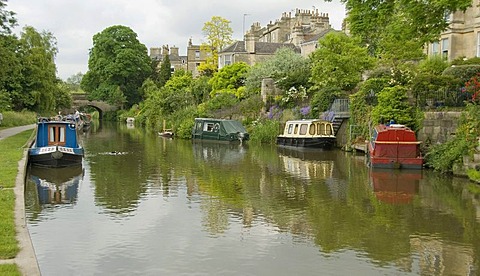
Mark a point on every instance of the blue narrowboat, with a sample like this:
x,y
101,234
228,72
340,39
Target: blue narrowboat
x,y
56,144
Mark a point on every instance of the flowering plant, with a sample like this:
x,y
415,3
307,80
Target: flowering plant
x,y
473,86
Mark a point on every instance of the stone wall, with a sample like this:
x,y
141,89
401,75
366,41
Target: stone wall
x,y
438,127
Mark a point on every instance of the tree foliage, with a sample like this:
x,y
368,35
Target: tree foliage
x,y
73,82
393,105
117,66
339,61
39,81
230,79
10,72
287,68
407,22
218,34
165,71
7,19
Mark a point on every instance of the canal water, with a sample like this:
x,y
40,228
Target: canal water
x,y
145,205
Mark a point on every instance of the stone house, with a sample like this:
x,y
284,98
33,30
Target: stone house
x,y
190,62
176,61
462,37
299,32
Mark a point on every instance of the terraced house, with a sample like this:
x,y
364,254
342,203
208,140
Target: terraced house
x,y
299,31
462,37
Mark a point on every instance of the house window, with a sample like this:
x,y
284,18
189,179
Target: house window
x,y
435,48
478,44
445,48
197,54
228,59
447,17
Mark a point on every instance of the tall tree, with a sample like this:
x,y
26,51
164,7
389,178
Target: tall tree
x,y
218,34
419,21
39,86
10,71
165,71
288,69
7,19
117,66
339,61
73,82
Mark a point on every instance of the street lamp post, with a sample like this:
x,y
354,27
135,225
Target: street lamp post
x,y
243,31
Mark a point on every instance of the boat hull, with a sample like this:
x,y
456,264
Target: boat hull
x,y
315,142
55,156
396,163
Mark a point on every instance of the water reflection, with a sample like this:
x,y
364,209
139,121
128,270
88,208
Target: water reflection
x,y
176,207
395,186
219,153
56,185
307,163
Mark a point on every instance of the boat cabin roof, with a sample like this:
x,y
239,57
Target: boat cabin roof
x,y
307,121
394,132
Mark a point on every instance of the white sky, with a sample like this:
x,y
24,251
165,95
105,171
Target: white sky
x,y
156,22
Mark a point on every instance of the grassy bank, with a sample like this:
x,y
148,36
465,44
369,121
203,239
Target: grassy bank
x,y
11,149
13,119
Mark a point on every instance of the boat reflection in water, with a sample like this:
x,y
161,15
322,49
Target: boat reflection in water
x,y
219,153
307,163
57,185
395,186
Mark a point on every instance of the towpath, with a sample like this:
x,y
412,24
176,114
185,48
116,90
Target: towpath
x,y
4,133
25,259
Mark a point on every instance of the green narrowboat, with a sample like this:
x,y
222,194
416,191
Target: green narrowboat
x,y
221,130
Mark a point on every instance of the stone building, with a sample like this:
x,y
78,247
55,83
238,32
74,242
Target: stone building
x,y
176,61
190,62
299,32
462,37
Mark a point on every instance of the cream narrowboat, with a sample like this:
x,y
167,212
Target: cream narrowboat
x,y
311,133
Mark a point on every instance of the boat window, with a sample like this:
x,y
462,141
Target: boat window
x,y
61,137
329,129
296,129
51,135
321,129
208,127
217,127
56,135
303,129
311,130
290,128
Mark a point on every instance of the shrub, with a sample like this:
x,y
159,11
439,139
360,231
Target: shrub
x,y
12,119
462,72
264,131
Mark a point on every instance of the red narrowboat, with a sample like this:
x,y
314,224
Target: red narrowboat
x,y
394,146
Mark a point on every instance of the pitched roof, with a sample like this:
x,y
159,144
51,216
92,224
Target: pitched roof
x,y
236,47
260,47
316,37
271,48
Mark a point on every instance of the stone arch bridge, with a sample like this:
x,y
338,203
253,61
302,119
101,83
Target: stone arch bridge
x,y
80,100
